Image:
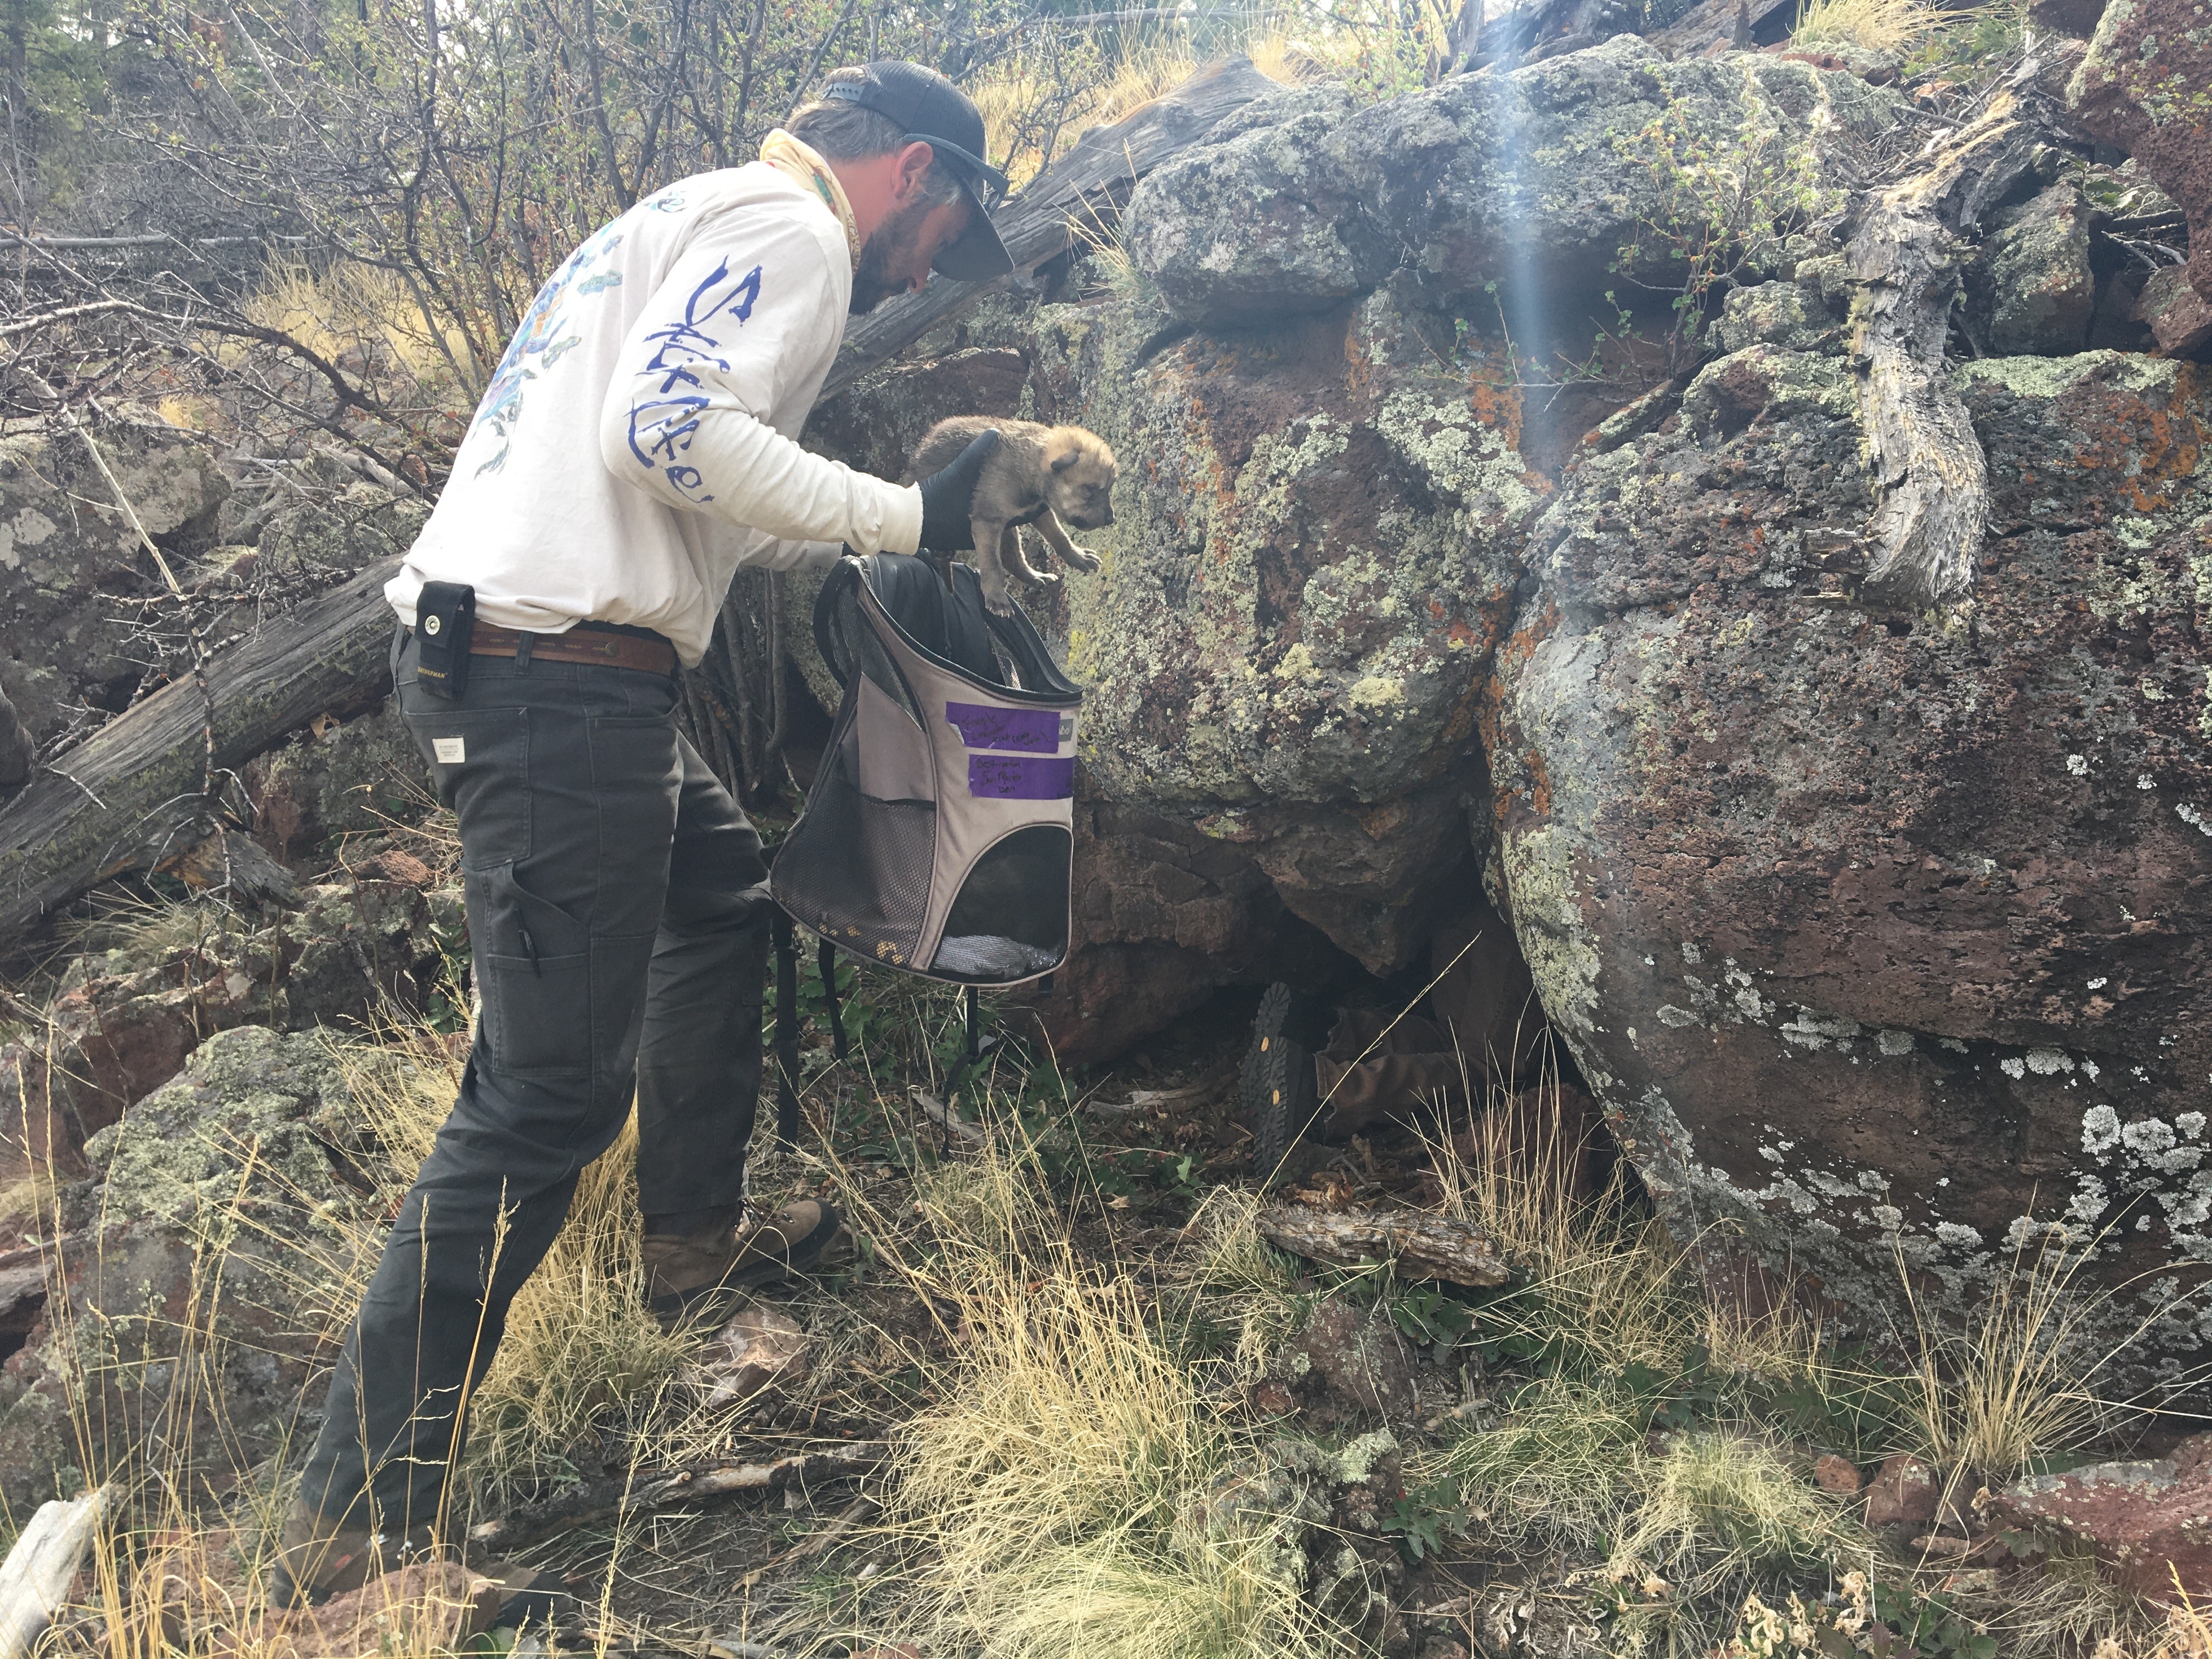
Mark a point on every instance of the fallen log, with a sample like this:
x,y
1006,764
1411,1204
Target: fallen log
x,y
37,1574
131,794
1078,194
614,1499
1419,1244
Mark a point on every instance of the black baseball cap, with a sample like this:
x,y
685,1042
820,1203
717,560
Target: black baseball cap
x,y
931,110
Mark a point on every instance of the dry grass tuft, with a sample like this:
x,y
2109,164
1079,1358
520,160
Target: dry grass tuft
x,y
2015,1382
1716,1502
1883,26
1044,1498
346,307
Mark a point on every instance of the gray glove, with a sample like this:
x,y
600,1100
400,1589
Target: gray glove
x,y
947,495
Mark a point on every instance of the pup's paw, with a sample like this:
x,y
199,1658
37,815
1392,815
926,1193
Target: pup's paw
x,y
1043,578
997,600
1082,558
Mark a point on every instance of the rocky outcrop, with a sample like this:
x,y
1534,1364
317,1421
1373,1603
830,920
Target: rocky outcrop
x,y
2148,1523
1529,183
2031,289
1310,571
200,1277
2180,319
1878,931
2146,87
76,581
1164,916
1876,924
127,1019
350,778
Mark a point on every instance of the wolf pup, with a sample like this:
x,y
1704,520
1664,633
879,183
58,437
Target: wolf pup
x,y
1040,476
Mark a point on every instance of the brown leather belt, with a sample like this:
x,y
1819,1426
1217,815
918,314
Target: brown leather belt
x,y
579,644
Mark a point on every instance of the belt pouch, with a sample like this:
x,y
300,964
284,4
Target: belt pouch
x,y
445,620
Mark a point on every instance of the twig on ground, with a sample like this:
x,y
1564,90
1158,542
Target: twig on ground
x,y
606,1501
1161,1100
934,1109
1423,1246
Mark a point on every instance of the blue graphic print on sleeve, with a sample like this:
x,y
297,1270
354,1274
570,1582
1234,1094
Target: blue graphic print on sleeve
x,y
664,415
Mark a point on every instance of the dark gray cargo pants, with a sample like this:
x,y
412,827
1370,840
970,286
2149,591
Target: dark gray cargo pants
x,y
618,918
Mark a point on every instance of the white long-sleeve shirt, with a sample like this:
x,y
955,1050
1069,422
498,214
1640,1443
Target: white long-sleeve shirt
x,y
637,443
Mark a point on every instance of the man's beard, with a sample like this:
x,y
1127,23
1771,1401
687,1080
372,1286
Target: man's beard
x,y
891,243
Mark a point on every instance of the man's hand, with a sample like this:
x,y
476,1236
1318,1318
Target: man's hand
x,y
946,496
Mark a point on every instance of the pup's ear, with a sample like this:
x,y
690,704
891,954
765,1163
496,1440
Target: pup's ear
x,y
1066,459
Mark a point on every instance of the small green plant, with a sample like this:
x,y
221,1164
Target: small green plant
x,y
1930,1624
1724,203
1424,1516
1426,1316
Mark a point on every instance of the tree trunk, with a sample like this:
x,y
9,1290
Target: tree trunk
x,y
1905,261
35,1578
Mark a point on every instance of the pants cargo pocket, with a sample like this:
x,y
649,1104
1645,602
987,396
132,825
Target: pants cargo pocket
x,y
534,964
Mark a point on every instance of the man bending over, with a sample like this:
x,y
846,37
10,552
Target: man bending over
x,y
635,447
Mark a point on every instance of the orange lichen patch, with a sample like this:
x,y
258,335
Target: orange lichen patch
x,y
1490,716
1496,404
1359,366
1540,782
1460,725
2147,445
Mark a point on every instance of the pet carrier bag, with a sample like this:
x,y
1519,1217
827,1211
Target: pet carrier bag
x,y
938,833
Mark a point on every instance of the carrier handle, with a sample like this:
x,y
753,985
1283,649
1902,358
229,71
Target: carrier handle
x,y
787,1029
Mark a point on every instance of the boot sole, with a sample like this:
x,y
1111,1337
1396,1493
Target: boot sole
x,y
1278,1082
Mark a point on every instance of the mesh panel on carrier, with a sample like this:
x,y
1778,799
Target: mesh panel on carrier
x,y
938,833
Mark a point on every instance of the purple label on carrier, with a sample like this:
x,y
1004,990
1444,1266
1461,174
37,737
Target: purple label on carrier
x,y
982,726
1005,778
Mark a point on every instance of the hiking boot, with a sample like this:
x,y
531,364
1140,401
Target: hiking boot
x,y
315,1562
698,1279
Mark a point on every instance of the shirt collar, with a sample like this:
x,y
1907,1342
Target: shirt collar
x,y
799,162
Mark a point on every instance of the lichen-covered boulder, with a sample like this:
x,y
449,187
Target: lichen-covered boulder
x,y
2030,287
355,778
1311,561
128,1018
2146,87
1879,933
207,1271
1264,218
1532,181
2148,1522
2179,317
